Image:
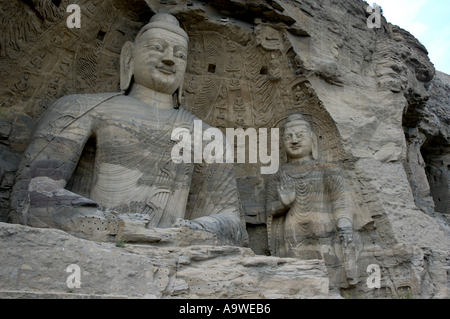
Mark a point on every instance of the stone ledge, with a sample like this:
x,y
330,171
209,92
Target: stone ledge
x,y
5,294
36,259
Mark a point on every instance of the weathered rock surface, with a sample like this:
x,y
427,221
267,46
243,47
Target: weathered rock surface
x,y
35,260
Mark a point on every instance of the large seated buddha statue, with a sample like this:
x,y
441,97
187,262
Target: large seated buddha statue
x,y
132,178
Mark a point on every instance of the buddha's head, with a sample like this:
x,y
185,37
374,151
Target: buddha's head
x,y
299,139
157,59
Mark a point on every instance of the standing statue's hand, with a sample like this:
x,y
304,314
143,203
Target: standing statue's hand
x,y
286,191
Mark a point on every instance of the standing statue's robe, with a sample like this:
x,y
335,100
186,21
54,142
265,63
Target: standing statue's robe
x,y
131,171
309,229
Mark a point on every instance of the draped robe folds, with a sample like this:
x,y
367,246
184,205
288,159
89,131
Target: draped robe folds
x,y
310,226
134,173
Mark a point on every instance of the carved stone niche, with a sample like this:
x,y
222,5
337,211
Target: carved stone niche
x,y
329,164
306,102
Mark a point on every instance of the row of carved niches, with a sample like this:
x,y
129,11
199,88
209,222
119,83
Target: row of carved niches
x,y
43,60
258,85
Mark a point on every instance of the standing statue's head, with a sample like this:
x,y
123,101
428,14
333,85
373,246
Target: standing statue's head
x,y
299,139
157,59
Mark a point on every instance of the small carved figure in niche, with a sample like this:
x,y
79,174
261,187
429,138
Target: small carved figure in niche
x,y
221,103
57,40
299,95
274,68
235,84
196,65
22,85
285,97
230,46
38,60
308,214
221,120
193,85
232,64
223,93
239,103
240,120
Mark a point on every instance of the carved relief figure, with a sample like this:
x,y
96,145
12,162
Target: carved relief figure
x,y
22,85
235,84
274,67
240,120
239,103
133,177
38,60
308,215
196,65
57,40
232,64
231,46
193,85
299,95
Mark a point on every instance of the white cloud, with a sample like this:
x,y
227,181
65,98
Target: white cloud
x,y
404,13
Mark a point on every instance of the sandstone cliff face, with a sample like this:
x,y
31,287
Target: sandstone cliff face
x,y
384,110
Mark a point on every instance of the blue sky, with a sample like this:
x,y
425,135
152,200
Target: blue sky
x,y
428,21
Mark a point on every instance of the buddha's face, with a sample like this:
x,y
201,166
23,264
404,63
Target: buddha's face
x,y
160,59
297,140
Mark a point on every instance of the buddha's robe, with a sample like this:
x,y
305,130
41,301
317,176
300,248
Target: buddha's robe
x,y
130,170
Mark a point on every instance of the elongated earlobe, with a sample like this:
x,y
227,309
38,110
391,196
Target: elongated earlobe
x,y
126,66
315,146
178,97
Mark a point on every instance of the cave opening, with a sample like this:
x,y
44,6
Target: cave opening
x,y
436,155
